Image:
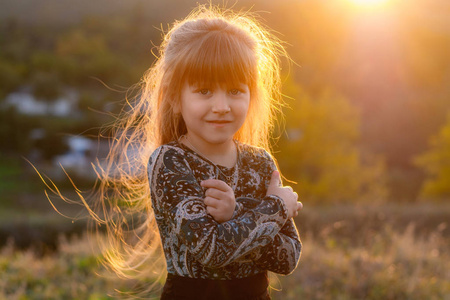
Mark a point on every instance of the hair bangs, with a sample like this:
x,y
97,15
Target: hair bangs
x,y
220,58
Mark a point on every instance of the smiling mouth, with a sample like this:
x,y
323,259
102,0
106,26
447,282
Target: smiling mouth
x,y
219,121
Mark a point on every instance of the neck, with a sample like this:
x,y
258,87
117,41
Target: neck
x,y
224,154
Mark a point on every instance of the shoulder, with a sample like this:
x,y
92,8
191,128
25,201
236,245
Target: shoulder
x,y
170,156
257,159
170,149
252,154
257,167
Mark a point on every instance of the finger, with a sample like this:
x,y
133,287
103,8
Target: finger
x,y
296,196
211,202
299,206
275,180
212,210
215,193
215,183
289,188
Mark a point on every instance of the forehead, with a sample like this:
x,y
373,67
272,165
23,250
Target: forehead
x,y
215,85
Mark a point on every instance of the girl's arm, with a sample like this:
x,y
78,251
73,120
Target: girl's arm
x,y
178,197
283,254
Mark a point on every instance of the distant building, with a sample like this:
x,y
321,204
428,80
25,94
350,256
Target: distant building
x,y
25,103
83,152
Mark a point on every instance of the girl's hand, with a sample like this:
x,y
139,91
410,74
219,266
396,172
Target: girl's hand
x,y
219,199
286,193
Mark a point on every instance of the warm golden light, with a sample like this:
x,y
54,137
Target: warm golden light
x,y
369,3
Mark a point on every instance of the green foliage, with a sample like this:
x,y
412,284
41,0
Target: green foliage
x,y
10,178
14,131
10,76
49,59
321,150
44,61
395,72
83,56
436,164
46,85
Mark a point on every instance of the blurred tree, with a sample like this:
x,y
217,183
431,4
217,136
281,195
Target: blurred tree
x,y
15,130
321,151
436,164
44,61
51,145
401,102
14,41
88,102
11,76
83,56
46,85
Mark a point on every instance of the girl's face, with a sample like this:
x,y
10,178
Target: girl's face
x,y
213,114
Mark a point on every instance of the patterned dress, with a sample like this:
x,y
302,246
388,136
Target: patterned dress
x,y
258,238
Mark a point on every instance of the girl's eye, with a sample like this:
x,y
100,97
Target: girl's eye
x,y
234,92
204,91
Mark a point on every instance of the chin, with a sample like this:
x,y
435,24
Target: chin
x,y
219,140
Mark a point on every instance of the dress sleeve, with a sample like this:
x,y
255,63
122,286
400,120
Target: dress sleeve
x,y
178,198
282,254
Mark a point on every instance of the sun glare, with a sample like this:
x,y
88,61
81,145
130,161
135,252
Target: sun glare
x,y
369,3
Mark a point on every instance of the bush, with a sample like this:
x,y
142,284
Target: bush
x,y
321,150
436,164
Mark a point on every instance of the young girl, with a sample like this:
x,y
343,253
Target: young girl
x,y
224,219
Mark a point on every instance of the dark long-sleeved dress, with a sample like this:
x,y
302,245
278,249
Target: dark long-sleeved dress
x,y
258,238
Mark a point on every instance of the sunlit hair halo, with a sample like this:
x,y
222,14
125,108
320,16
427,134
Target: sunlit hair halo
x,y
208,47
211,46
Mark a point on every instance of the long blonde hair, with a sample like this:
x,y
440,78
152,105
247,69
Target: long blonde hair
x,y
210,45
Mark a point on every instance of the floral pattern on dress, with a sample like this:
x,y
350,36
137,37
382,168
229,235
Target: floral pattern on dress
x,y
259,237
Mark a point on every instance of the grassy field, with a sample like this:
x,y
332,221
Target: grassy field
x,y
349,252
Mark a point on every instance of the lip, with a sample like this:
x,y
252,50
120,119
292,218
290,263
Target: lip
x,y
218,123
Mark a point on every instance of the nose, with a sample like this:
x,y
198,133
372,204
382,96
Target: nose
x,y
220,103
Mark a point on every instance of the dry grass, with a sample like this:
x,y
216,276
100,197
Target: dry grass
x,y
74,272
392,265
372,253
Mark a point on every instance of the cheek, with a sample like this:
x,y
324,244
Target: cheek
x,y
192,115
243,108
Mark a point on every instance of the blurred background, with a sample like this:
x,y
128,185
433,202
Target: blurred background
x,y
365,138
